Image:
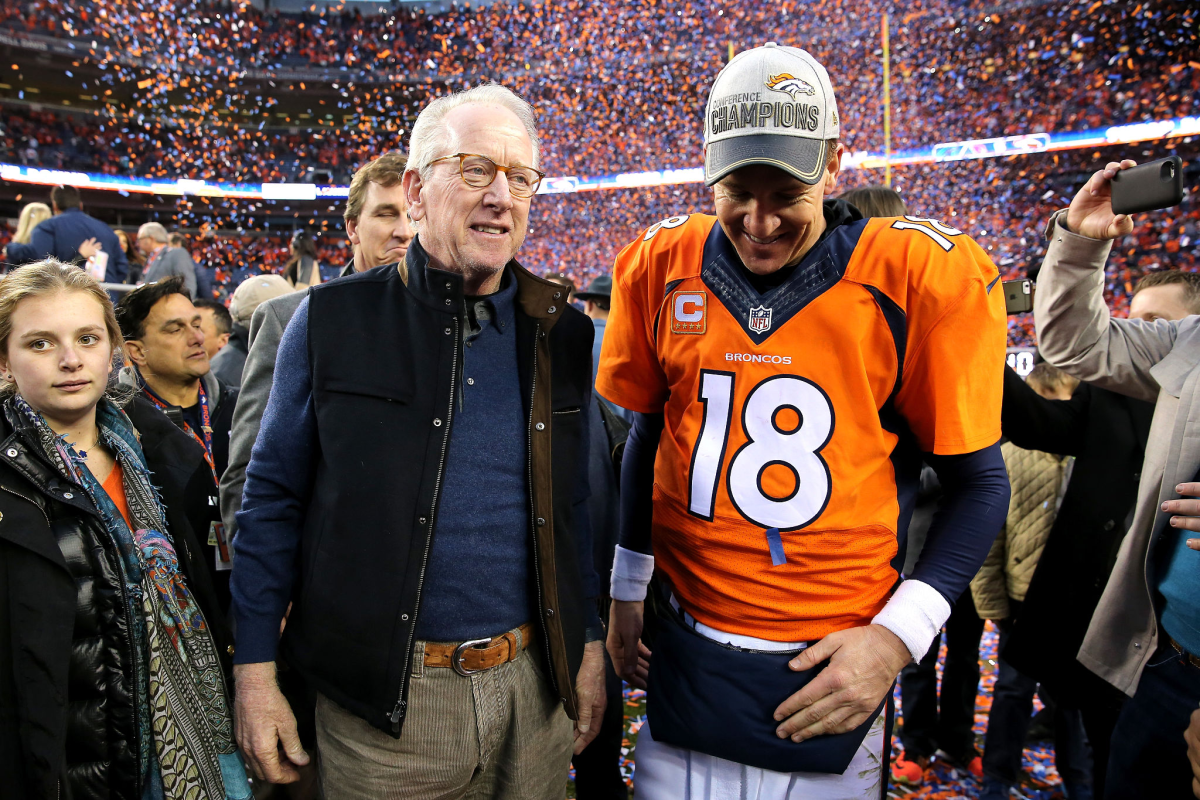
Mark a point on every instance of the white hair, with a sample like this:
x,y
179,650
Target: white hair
x,y
432,139
155,231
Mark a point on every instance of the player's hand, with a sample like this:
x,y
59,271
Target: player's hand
x,y
1187,512
863,665
265,725
1091,211
589,688
1192,737
631,658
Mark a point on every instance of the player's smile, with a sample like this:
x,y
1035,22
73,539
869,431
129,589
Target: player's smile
x,y
756,240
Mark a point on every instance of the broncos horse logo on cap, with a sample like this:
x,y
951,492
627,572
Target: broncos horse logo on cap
x,y
789,84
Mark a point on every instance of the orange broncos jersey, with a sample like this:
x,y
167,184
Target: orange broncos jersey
x,y
795,419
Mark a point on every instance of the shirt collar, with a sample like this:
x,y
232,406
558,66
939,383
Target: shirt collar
x,y
497,307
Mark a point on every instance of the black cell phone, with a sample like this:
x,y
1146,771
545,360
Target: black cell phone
x,y
1018,296
1148,187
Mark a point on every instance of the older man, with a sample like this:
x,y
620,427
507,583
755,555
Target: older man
x,y
789,365
400,495
163,260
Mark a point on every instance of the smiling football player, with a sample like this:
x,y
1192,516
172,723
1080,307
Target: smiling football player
x,y
790,365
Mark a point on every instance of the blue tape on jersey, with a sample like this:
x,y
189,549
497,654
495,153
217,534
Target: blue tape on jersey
x,y
775,542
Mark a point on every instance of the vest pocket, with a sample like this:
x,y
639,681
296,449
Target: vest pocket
x,y
394,393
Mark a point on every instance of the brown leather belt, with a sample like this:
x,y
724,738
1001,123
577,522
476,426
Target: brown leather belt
x,y
1191,658
476,655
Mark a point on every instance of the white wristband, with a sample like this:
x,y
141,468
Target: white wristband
x,y
915,613
630,575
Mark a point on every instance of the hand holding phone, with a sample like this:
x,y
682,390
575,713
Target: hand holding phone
x,y
1149,187
1094,210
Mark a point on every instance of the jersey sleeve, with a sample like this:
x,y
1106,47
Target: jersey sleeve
x,y
630,374
953,379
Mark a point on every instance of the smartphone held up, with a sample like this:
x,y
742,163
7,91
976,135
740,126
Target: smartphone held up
x,y
1148,187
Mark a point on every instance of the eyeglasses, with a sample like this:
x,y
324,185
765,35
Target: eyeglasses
x,y
479,171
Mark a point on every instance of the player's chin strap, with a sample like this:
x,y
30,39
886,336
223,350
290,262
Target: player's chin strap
x,y
631,574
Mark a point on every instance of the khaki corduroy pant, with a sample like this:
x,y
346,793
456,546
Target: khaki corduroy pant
x,y
500,733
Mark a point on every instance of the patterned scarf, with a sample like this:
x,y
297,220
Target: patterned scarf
x,y
181,691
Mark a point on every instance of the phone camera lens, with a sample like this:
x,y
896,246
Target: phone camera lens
x,y
1168,171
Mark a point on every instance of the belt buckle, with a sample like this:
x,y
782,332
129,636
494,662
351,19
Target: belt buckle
x,y
456,660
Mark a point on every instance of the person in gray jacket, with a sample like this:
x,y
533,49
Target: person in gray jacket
x,y
1145,635
253,292
380,231
164,261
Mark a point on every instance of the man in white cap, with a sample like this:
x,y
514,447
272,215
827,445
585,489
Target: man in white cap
x,y
249,295
790,365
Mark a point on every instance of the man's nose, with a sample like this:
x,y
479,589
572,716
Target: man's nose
x,y
403,230
759,221
497,194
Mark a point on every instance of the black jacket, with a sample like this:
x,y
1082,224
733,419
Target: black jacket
x,y
66,664
385,367
1106,432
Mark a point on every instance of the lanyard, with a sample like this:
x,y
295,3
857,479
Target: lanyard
x,y
205,437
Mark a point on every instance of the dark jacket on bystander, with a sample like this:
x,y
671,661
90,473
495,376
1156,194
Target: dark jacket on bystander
x,y
1106,432
67,718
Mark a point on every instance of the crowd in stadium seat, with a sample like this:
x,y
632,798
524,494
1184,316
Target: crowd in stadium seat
x,y
958,73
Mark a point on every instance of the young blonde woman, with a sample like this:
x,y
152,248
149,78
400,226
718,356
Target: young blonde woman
x,y
110,681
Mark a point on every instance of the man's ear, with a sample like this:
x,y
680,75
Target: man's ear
x,y
352,231
412,195
135,351
223,339
833,168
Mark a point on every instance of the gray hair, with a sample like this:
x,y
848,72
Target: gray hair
x,y
153,230
432,139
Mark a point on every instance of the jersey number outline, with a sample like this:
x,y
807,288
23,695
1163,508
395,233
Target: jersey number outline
x,y
938,231
766,445
669,222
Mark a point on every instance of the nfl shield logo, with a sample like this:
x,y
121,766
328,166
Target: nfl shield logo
x,y
760,320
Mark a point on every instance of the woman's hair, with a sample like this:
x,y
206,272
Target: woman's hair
x,y
875,201
31,215
48,277
303,246
132,254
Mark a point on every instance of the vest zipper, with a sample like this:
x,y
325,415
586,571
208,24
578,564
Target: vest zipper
x,y
397,713
537,569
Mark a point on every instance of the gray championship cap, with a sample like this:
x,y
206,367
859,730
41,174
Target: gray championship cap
x,y
771,105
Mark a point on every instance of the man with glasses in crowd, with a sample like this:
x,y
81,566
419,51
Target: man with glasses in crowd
x,y
400,496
